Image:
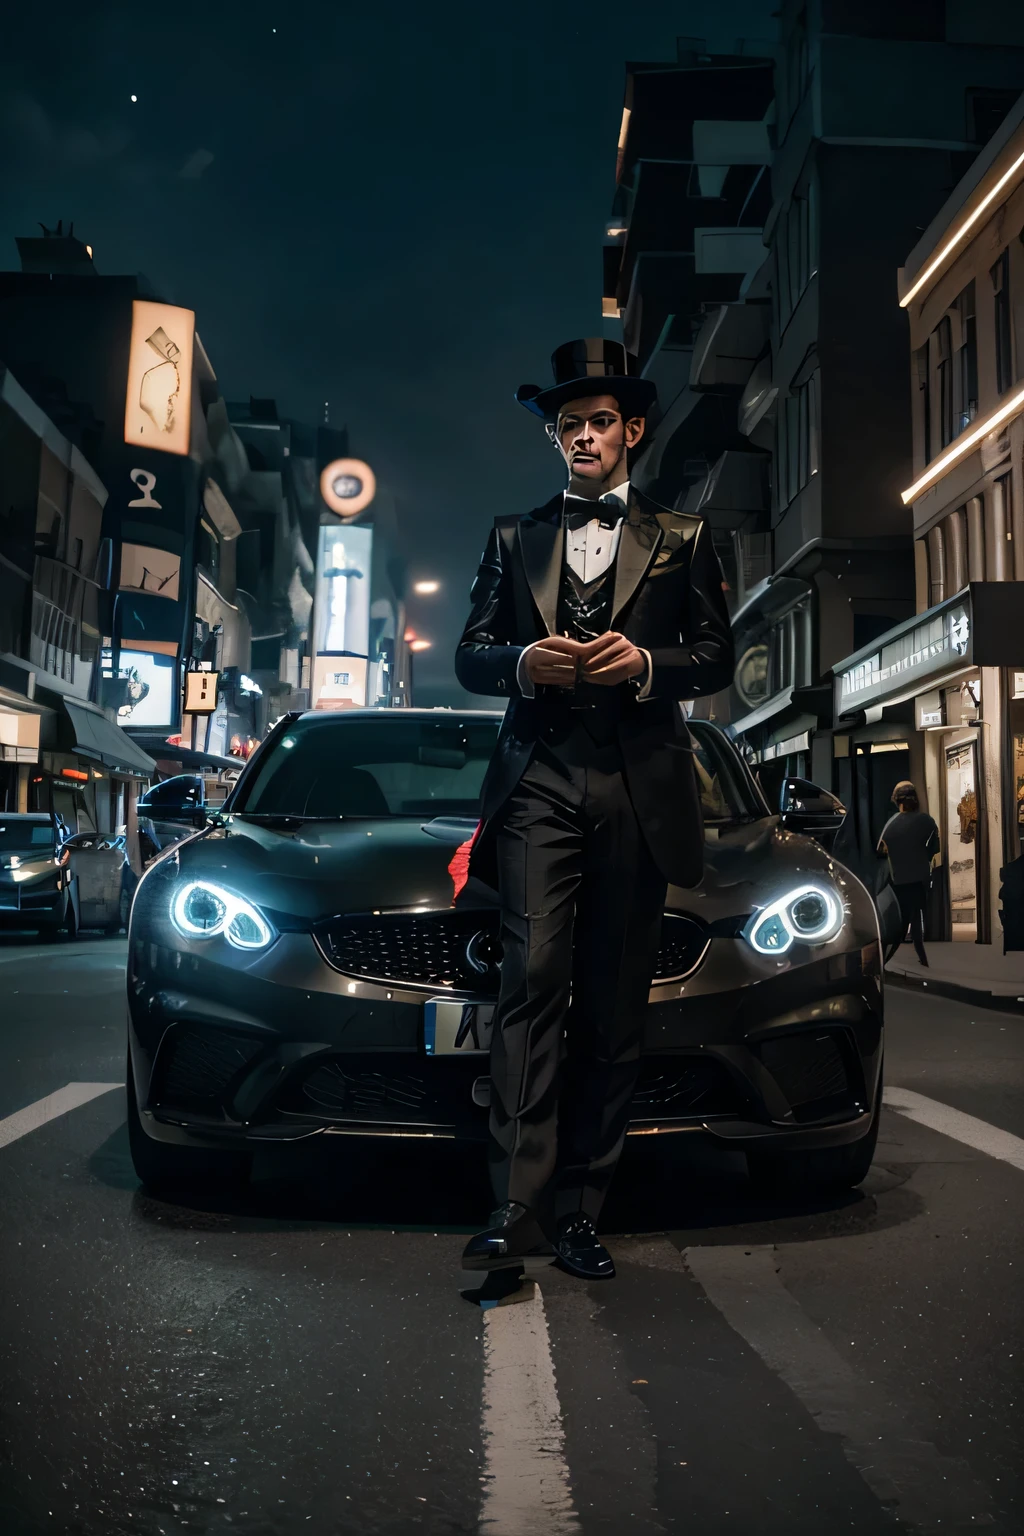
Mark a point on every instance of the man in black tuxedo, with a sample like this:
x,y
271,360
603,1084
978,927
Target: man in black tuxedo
x,y
595,615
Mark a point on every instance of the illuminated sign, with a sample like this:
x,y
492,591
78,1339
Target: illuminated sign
x,y
149,691
347,486
201,693
158,399
339,682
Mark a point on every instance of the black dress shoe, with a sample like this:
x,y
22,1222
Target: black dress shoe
x,y
578,1250
514,1235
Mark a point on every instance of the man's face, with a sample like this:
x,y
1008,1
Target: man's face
x,y
592,437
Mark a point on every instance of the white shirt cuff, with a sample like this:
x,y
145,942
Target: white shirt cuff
x,y
526,687
644,691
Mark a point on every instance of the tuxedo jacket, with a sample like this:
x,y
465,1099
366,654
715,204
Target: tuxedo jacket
x,y
668,600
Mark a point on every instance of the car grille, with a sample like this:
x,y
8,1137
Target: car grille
x,y
811,1070
461,950
194,1068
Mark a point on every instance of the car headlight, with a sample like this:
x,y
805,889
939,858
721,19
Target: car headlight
x,y
810,914
201,910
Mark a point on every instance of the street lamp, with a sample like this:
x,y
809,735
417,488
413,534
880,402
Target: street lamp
x,y
426,587
419,645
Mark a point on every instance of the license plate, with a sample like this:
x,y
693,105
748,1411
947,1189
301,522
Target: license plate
x,y
451,1028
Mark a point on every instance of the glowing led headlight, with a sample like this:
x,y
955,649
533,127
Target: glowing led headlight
x,y
200,910
811,914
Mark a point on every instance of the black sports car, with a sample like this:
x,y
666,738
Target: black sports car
x,y
299,966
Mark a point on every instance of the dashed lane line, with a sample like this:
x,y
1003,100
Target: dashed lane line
x,y
953,1122
935,1494
71,1096
526,1478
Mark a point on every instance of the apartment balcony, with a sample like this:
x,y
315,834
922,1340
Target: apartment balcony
x,y
736,494
728,345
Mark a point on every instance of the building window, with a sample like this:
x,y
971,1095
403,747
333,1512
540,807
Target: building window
x,y
921,359
208,550
341,679
797,72
967,361
798,439
1000,275
944,369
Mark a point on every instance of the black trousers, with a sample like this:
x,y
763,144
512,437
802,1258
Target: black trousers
x,y
581,921
911,898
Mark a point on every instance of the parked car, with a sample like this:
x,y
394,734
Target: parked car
x,y
38,887
106,880
168,812
299,966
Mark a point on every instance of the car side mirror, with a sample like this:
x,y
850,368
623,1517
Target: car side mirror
x,y
807,808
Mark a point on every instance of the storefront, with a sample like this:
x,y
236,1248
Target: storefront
x,y
918,695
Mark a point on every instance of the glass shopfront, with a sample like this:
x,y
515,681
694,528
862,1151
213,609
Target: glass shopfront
x,y
960,766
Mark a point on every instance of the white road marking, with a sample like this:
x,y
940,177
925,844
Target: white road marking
x,y
526,1487
953,1122
34,1115
932,1492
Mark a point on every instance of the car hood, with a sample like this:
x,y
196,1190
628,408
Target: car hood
x,y
314,869
302,872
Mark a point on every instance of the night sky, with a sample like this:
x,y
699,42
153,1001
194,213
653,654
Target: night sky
x,y
395,208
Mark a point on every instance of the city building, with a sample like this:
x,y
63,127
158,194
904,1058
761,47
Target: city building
x,y
786,383
684,242
60,751
209,534
949,681
856,174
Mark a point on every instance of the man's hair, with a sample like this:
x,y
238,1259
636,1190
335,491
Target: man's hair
x,y
906,794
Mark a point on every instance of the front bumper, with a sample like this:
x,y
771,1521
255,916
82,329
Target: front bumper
x,y
229,1048
26,904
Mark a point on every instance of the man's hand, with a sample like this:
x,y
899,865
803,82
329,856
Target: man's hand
x,y
553,661
611,659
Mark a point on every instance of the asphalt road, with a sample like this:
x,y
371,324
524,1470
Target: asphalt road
x,y
301,1359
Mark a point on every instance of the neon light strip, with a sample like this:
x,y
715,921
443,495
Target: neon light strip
x,y
962,446
968,224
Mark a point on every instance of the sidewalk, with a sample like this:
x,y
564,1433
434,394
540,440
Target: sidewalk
x,y
980,973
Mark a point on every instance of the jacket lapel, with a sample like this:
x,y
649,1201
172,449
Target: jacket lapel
x,y
541,541
638,545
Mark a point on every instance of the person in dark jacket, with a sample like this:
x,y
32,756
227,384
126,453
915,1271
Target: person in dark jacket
x,y
910,840
594,615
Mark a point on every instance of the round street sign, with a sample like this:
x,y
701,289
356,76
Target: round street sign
x,y
347,486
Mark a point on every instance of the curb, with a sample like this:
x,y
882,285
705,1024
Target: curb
x,y
960,994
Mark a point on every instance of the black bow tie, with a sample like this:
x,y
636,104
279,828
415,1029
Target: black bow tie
x,y
579,511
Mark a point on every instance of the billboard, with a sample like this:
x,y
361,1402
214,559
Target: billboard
x,y
342,611
158,399
149,697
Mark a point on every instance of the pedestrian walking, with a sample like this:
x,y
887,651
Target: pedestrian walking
x,y
910,840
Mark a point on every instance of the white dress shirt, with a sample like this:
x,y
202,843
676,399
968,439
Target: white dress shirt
x,y
589,551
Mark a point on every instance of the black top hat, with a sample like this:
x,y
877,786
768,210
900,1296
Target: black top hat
x,y
589,367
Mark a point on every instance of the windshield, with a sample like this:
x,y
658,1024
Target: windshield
x,y
727,793
19,836
377,766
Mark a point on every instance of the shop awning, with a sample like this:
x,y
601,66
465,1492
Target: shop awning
x,y
98,737
189,757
